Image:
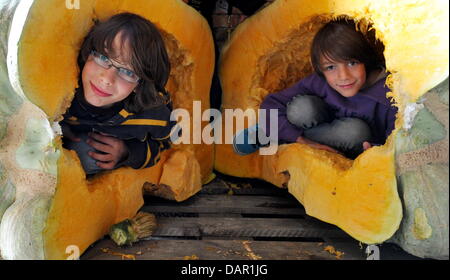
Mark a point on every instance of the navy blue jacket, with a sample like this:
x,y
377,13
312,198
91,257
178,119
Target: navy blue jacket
x,y
145,134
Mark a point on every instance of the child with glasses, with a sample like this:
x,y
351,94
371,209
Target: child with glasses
x,y
342,107
120,115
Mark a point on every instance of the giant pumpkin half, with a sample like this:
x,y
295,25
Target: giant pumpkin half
x,y
46,204
270,51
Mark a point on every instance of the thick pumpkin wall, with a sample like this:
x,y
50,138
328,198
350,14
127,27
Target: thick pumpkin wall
x,y
42,74
270,51
192,63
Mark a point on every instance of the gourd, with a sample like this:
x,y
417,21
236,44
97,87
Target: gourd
x,y
46,203
270,51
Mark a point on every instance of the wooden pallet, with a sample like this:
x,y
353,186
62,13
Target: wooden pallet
x,y
242,220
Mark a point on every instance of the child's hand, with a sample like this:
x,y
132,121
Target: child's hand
x,y
366,145
303,140
115,150
67,132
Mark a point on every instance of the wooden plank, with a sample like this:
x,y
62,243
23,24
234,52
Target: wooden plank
x,y
219,186
214,225
219,227
221,250
203,203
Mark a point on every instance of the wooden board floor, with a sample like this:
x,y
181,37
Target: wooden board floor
x,y
238,219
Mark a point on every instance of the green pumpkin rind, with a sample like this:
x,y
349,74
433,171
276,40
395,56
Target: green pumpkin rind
x,y
26,218
25,195
424,182
10,102
7,191
36,151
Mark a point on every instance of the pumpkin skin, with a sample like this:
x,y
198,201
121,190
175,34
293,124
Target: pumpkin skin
x,y
421,150
270,51
45,200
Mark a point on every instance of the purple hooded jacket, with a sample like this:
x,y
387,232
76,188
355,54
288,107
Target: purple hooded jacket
x,y
370,105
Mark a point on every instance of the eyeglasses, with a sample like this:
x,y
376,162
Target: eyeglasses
x,y
105,62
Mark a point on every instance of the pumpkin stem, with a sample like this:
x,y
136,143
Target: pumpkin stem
x,y
143,224
132,230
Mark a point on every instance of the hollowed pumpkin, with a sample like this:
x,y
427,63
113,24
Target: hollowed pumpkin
x,y
46,204
270,51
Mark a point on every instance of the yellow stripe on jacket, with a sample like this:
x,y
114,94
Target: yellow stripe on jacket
x,y
144,122
149,156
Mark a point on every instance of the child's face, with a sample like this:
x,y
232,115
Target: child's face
x,y
103,87
346,77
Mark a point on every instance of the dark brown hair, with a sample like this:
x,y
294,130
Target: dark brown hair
x,y
148,56
339,41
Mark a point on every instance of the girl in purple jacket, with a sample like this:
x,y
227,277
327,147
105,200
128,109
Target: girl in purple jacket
x,y
342,107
